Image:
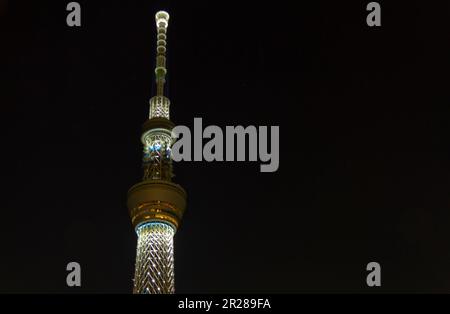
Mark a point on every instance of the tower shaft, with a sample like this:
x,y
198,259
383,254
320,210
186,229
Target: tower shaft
x,y
154,259
156,204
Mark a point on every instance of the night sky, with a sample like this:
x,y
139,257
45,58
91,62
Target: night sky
x,y
364,143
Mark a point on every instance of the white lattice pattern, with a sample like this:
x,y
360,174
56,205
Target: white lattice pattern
x,y
154,259
159,107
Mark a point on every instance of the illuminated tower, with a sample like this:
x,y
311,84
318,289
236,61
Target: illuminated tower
x,y
156,204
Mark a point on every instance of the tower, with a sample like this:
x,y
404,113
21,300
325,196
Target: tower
x,y
156,204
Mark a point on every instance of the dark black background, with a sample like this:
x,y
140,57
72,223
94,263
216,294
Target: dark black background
x,y
364,150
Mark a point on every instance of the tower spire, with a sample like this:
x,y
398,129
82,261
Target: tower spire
x,y
160,104
156,204
162,22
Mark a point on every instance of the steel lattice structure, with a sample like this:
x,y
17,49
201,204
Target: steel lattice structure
x,y
156,204
154,259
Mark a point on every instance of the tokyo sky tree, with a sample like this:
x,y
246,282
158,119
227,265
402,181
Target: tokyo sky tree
x,y
156,204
